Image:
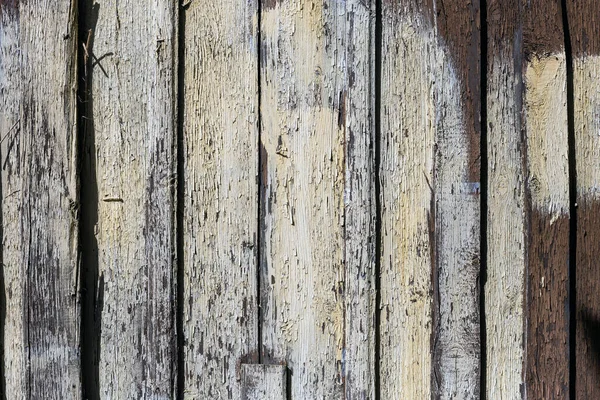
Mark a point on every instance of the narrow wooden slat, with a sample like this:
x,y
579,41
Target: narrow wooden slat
x,y
314,55
584,24
263,382
356,113
430,200
506,248
529,200
131,74
220,205
14,272
40,199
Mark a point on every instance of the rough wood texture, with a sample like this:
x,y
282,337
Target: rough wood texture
x,y
356,115
40,199
14,373
220,134
430,201
131,121
528,219
506,250
307,69
263,382
40,210
584,23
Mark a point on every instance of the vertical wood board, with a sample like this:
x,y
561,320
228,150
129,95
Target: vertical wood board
x,y
430,200
132,76
220,153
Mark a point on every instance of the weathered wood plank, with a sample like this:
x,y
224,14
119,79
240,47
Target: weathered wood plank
x,y
131,74
357,113
220,153
528,147
263,382
305,78
506,249
584,24
430,200
14,272
40,199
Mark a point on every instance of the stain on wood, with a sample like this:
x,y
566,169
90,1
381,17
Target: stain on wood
x,y
430,201
220,153
263,382
584,22
131,119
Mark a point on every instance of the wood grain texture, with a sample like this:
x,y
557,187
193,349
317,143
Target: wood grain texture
x,y
584,22
39,168
356,115
528,218
430,201
132,122
304,86
263,382
220,151
547,191
506,235
13,271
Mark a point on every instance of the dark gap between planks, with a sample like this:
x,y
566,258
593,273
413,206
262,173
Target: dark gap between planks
x,y
483,199
377,157
180,209
572,295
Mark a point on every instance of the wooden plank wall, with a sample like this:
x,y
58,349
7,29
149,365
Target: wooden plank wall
x,y
359,199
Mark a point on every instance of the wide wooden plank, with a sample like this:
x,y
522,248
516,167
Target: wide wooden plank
x,y
13,282
263,382
529,202
307,69
584,23
430,200
40,200
130,73
220,204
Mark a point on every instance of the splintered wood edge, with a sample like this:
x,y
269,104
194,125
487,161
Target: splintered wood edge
x,y
263,382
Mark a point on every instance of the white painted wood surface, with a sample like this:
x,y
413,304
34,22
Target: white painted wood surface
x,y
220,225
133,121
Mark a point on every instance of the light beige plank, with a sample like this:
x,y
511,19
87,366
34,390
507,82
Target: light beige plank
x,y
302,254
220,152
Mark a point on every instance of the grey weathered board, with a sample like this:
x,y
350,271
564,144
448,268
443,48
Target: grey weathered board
x,y
220,195
39,199
430,200
317,195
528,218
129,133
